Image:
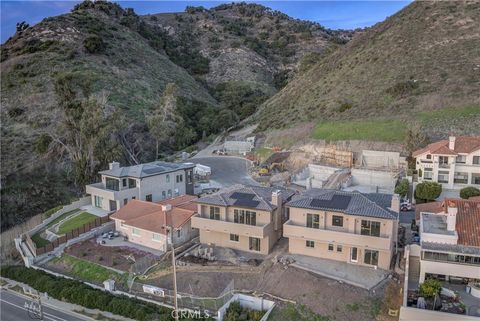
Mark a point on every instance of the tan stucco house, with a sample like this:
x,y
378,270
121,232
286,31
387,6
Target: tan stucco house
x,y
247,218
151,224
344,226
453,162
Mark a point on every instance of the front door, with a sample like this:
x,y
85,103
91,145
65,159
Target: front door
x,y
113,205
354,254
254,244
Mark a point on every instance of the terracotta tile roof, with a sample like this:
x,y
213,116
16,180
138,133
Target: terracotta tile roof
x,y
432,207
152,217
463,145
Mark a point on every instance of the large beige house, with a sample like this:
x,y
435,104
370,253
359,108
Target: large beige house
x,y
247,218
450,241
344,226
151,182
454,163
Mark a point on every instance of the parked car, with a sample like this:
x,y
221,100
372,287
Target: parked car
x,y
406,206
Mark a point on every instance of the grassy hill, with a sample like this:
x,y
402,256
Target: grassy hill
x,y
410,67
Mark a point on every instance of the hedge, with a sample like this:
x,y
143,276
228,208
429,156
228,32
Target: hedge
x,y
79,293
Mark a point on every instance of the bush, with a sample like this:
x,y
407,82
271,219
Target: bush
x,y
468,192
236,312
94,44
429,288
428,191
402,188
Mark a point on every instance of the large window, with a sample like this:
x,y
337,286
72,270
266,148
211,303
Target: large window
x,y
214,213
460,178
112,184
245,217
476,160
427,174
234,237
371,257
371,228
98,201
443,176
254,244
461,159
135,231
455,258
132,183
148,197
476,178
179,178
337,220
313,220
443,161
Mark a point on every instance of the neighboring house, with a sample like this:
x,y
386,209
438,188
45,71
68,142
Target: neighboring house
x,y
344,226
247,218
148,182
149,224
454,163
450,241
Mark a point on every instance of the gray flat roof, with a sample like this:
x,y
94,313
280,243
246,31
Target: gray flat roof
x,y
147,169
451,248
435,224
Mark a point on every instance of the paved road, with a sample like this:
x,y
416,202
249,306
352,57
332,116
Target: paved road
x,y
13,309
227,170
407,217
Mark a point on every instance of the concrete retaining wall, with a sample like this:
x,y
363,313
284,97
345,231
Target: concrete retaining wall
x,y
382,179
249,302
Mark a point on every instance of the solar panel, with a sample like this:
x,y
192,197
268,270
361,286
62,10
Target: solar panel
x,y
242,196
154,170
246,202
339,202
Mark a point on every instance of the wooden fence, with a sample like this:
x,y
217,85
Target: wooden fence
x,y
64,238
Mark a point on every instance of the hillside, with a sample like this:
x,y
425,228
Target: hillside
x,y
417,63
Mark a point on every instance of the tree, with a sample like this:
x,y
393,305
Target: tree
x,y
415,138
430,288
468,192
402,188
22,26
428,191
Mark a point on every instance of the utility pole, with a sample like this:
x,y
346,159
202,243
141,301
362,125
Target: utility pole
x,y
175,303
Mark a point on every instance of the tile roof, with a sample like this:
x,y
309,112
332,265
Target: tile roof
x,y
151,216
432,207
463,145
451,248
353,203
255,197
147,169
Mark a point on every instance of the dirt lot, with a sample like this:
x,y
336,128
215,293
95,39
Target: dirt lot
x,y
120,258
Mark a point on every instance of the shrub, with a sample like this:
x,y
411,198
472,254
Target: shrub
x,y
94,44
428,191
468,192
402,188
429,288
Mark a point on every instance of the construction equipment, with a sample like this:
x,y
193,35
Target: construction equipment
x,y
268,169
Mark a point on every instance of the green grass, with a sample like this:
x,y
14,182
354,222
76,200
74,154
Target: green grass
x,y
75,222
373,130
298,312
38,240
88,271
263,153
449,113
61,217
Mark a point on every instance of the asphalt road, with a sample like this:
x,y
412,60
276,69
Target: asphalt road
x,y
227,170
13,309
407,217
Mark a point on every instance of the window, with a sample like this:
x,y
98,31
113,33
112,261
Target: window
x,y
443,176
214,213
313,221
476,160
427,174
135,231
339,248
254,244
148,197
156,237
179,178
330,247
245,217
461,159
167,178
133,197
169,194
234,237
124,182
189,176
476,178
309,243
132,183
443,161
179,233
429,156
177,192
460,178
125,201
337,220
164,195
98,201
371,228
112,184
371,257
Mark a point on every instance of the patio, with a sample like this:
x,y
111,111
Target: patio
x,y
360,276
120,242
472,303
94,210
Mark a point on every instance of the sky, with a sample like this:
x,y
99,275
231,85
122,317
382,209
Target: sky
x,y
331,14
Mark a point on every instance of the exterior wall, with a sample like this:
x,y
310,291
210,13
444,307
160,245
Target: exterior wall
x,y
422,162
145,238
186,234
223,239
414,314
450,269
347,236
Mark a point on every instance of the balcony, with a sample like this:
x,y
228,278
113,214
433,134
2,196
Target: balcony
x,y
100,190
203,223
299,231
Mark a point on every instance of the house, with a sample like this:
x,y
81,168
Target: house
x,y
150,182
149,224
247,218
345,226
450,241
454,163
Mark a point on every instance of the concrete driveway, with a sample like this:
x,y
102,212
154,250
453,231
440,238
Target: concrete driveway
x,y
227,170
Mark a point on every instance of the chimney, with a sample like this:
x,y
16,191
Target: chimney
x,y
395,206
451,215
309,182
166,207
451,142
113,165
277,198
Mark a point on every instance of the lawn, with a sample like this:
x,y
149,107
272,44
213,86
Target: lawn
x,y
373,130
449,113
263,153
75,222
87,271
38,240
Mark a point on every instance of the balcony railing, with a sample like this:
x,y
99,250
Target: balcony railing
x,y
203,223
292,230
100,190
